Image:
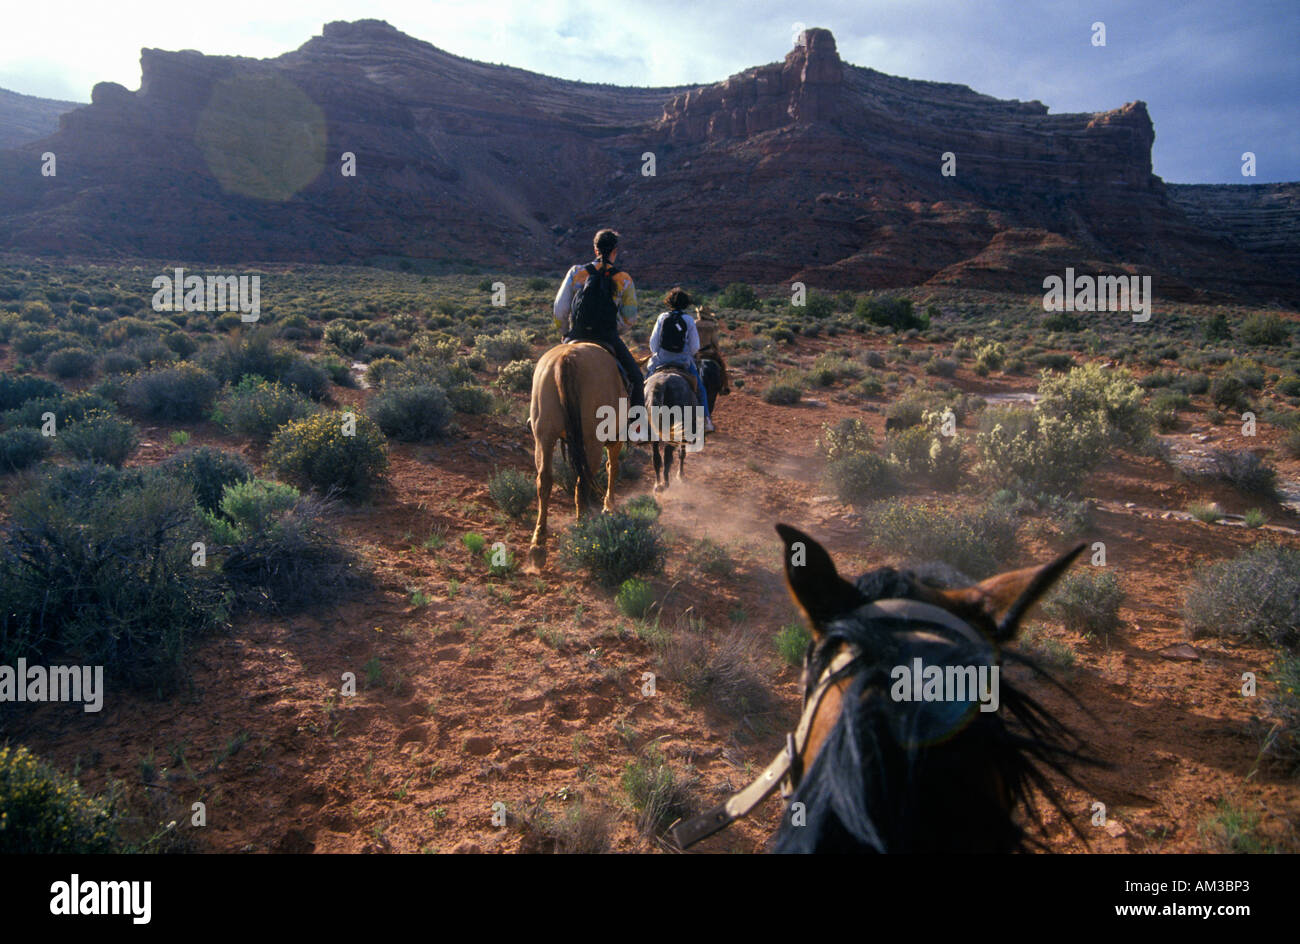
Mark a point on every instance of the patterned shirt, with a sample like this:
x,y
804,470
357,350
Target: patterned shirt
x,y
567,296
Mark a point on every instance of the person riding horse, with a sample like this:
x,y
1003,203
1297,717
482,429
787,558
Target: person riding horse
x,y
674,343
594,301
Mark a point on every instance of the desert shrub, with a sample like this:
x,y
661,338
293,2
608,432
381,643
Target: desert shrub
x,y
1192,384
1264,329
792,641
99,437
119,362
258,355
896,313
1245,471
1253,597
584,827
1091,389
321,452
96,567
922,451
17,390
643,506
513,491
941,366
1228,392
71,362
975,542
470,399
1087,602
1042,453
1291,443
1283,704
1288,385
739,295
66,409
614,547
22,447
253,505
181,343
1062,321
344,337
288,558
1052,360
715,668
516,376
1217,328
208,470
412,414
181,393
782,394
990,356
712,558
512,344
656,792
635,598
849,436
44,812
338,372
257,408
859,477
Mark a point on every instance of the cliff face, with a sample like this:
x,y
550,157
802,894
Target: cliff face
x,y
808,168
25,118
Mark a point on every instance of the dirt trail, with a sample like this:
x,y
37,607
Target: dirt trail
x,y
521,690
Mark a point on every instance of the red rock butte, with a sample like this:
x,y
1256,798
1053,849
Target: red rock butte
x,y
808,169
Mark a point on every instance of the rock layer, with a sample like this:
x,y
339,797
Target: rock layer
x,y
809,168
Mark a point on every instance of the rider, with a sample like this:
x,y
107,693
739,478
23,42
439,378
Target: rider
x,y
678,345
624,292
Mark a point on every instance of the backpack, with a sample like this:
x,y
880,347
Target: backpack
x,y
672,336
595,312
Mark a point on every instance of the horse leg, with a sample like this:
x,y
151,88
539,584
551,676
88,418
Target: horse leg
x,y
681,462
612,451
658,466
537,549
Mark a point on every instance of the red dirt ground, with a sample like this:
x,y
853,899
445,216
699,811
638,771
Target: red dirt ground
x,y
476,706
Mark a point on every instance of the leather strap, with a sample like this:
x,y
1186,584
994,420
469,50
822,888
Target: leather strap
x,y
785,768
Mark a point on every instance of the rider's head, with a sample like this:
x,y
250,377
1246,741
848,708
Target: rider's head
x,y
677,299
606,243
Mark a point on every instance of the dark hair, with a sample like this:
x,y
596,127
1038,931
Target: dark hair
x,y
606,241
677,298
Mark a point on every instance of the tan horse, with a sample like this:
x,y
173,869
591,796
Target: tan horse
x,y
570,384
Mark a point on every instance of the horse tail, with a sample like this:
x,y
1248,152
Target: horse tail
x,y
574,443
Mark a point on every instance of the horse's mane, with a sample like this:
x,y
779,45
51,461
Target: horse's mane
x,y
896,776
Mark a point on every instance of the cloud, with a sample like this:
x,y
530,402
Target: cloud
x,y
1212,74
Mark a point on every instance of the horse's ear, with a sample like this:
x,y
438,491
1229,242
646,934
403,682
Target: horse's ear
x,y
1005,599
816,586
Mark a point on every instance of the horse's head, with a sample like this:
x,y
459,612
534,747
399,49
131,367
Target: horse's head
x,y
915,743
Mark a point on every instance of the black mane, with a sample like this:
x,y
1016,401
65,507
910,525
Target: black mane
x,y
913,777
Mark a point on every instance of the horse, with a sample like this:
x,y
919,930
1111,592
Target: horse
x,y
873,767
668,389
571,383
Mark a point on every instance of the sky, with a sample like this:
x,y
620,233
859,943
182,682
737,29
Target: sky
x,y
1219,79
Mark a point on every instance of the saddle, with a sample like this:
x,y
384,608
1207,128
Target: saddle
x,y
683,373
609,349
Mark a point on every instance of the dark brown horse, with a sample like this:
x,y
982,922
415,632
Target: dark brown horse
x,y
885,774
910,740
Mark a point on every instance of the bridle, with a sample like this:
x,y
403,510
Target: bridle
x,y
786,769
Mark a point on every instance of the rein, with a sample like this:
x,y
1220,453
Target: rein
x,y
786,769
